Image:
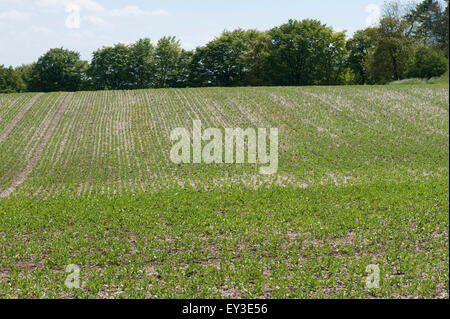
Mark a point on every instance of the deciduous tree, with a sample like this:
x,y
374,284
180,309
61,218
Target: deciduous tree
x,y
58,70
10,80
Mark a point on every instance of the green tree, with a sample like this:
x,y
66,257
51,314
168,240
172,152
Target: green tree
x,y
58,70
217,63
391,51
428,22
358,49
26,72
235,58
112,68
143,63
182,76
255,58
428,63
446,28
335,57
307,53
10,80
167,59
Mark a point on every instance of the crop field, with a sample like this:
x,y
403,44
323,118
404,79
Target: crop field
x,y
363,179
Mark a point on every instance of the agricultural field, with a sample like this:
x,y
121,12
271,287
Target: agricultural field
x,y
363,179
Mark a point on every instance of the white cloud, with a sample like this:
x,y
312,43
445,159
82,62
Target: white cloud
x,y
41,30
14,15
79,35
134,11
88,5
76,12
73,20
97,21
33,26
374,11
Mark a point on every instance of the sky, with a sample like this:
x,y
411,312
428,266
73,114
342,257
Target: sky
x,y
29,28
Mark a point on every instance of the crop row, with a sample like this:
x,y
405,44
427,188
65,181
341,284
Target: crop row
x,y
119,141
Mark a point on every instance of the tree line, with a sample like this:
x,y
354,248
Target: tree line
x,y
407,42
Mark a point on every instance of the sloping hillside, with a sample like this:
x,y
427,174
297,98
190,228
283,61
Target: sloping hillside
x,y
119,141
93,207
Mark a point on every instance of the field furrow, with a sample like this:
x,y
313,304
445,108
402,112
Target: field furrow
x,y
119,142
86,178
4,134
32,160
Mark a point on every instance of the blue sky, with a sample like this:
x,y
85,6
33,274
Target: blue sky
x,y
28,28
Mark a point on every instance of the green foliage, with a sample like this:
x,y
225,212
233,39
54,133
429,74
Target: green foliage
x,y
297,53
391,51
358,50
58,70
255,57
10,80
183,73
143,63
168,56
111,68
234,59
428,63
26,73
307,53
428,22
140,65
388,52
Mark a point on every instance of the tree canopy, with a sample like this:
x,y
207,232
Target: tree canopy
x,y
58,70
10,80
409,41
